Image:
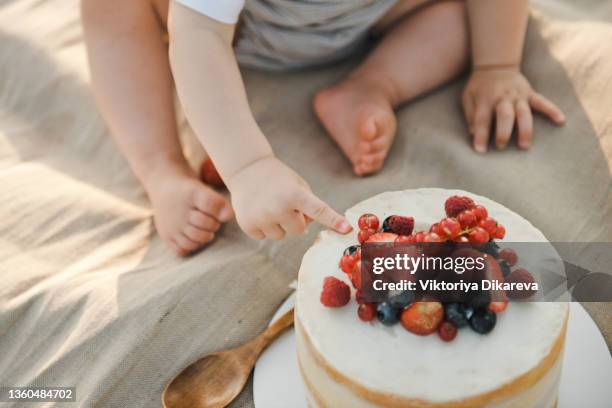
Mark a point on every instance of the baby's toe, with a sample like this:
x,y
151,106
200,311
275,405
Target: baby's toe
x,y
202,221
212,203
185,244
197,235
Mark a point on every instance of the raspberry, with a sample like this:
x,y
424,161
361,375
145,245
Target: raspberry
x,y
508,255
363,235
520,275
456,204
366,312
467,219
209,174
368,221
382,237
480,212
335,292
451,227
498,307
399,225
422,317
478,236
447,331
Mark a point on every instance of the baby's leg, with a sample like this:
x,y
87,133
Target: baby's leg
x,y
419,51
133,84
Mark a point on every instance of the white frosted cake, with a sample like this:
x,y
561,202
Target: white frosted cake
x,y
349,363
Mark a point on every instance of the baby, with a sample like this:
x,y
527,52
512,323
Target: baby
x,y
420,45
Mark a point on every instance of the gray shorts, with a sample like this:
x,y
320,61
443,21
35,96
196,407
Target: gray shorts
x,y
291,34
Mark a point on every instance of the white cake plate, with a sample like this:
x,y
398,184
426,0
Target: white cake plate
x,y
586,380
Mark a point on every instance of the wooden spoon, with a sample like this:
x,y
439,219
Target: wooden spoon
x,y
217,378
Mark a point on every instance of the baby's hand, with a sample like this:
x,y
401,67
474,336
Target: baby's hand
x,y
270,200
506,95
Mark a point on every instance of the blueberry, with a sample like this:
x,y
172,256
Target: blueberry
x,y
468,311
480,299
351,250
491,248
386,227
401,300
455,313
387,314
504,268
483,321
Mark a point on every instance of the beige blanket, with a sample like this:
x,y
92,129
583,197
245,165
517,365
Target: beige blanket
x,y
90,297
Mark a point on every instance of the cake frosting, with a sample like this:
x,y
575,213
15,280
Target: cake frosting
x,y
345,362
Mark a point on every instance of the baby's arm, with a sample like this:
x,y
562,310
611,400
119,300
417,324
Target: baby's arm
x,y
268,197
497,88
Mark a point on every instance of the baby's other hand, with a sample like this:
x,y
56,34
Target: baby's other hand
x,y
271,200
505,95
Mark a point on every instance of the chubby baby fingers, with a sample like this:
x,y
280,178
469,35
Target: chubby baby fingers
x,y
482,127
294,223
524,124
319,211
540,103
504,123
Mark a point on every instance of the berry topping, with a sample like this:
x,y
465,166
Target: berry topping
x,y
347,262
351,250
401,300
491,248
420,236
508,255
503,265
356,275
437,229
480,212
480,299
521,275
498,307
366,312
335,292
405,239
451,227
209,174
423,317
467,219
363,235
483,321
456,314
489,225
368,221
387,314
359,297
447,331
456,204
382,237
500,232
478,236
398,224
432,237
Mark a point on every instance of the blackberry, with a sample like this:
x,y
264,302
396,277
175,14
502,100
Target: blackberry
x,y
505,268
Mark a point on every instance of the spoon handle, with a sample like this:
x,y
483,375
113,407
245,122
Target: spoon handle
x,y
276,329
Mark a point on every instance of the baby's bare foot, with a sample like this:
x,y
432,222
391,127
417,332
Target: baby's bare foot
x,y
360,118
187,213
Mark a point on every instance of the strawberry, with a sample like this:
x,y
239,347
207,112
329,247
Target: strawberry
x,y
335,292
422,317
382,237
209,174
456,204
498,307
521,275
399,224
